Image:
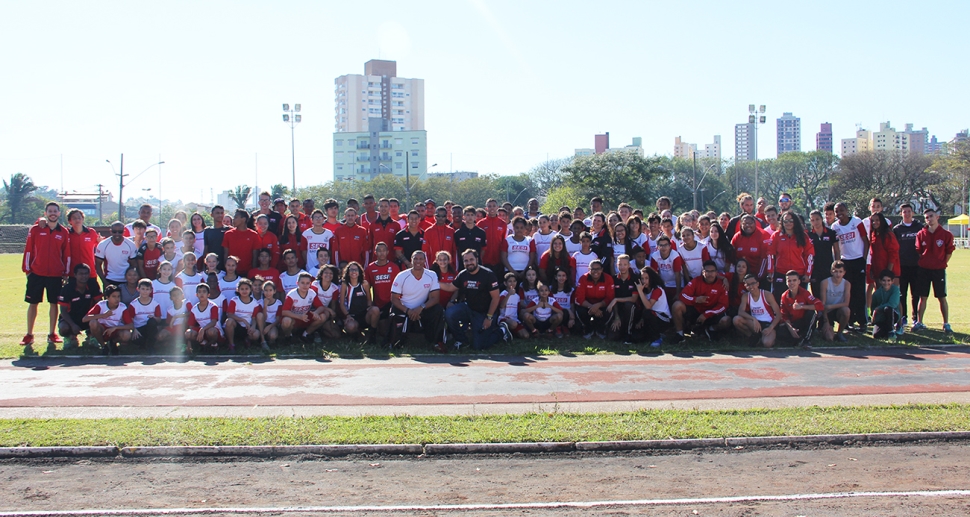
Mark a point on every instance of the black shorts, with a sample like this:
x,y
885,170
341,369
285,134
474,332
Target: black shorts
x,y
925,277
386,310
36,285
543,325
240,332
833,316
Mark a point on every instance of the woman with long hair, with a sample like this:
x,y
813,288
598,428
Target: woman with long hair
x,y
355,302
554,259
197,225
736,287
563,291
885,252
791,250
720,249
622,244
290,237
444,267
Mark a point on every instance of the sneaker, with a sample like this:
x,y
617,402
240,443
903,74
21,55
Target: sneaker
x,y
627,341
440,347
306,339
457,345
947,330
918,326
841,338
265,347
711,334
27,340
71,342
54,338
677,338
659,341
559,332
588,336
506,333
901,329
903,322
601,335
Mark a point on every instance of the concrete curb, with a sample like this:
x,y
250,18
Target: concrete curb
x,y
438,449
270,450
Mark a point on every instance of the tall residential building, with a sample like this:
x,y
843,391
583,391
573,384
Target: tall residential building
x,y
362,156
683,149
862,142
919,139
789,134
934,146
379,93
602,145
823,139
903,142
744,142
713,151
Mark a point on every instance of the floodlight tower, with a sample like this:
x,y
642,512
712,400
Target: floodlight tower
x,y
756,117
292,117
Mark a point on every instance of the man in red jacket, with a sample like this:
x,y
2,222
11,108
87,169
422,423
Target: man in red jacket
x,y
496,230
594,293
934,244
799,311
440,237
703,301
45,263
350,241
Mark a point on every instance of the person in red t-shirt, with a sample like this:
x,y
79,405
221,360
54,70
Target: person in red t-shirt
x,y
296,210
703,301
439,237
82,241
751,244
149,255
242,242
383,228
45,263
268,240
496,230
934,244
799,311
350,241
380,275
594,293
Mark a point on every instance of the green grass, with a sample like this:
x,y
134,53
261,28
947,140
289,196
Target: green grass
x,y
12,328
535,427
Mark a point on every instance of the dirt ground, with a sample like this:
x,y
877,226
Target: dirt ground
x,y
48,485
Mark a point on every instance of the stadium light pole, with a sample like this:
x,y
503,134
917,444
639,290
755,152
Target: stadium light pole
x,y
756,117
292,117
121,183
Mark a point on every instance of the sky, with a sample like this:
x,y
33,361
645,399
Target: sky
x,y
508,84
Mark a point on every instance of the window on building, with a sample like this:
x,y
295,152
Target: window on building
x,y
398,165
414,165
414,153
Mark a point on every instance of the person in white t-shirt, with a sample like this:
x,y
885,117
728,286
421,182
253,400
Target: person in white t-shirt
x,y
414,303
854,246
585,254
113,256
241,314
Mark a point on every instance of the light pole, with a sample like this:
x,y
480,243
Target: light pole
x,y
292,117
697,184
121,183
756,117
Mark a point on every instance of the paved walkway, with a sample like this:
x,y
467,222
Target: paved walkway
x,y
132,387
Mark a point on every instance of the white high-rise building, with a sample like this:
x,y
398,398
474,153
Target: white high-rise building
x,y
862,142
379,93
744,144
789,134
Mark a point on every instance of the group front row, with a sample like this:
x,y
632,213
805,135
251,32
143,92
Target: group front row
x,y
197,311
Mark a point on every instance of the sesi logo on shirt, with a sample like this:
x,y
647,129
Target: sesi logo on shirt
x,y
382,278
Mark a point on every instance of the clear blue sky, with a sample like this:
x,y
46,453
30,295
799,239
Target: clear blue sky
x,y
507,83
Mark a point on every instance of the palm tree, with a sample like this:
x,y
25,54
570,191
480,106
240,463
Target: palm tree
x,y
240,195
18,192
279,191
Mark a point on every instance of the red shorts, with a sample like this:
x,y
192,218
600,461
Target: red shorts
x,y
298,324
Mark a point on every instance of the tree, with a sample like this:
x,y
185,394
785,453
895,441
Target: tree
x,y
240,195
18,192
616,176
548,175
279,191
894,178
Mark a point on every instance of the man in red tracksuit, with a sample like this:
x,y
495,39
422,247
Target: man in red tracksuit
x,y
350,241
751,244
594,293
703,301
934,244
440,237
45,263
496,230
384,228
799,311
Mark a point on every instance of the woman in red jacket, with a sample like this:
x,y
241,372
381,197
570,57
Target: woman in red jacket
x,y
884,248
790,250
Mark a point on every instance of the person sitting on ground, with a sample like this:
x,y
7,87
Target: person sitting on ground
x,y
414,296
110,320
176,318
509,306
203,327
302,310
656,317
327,287
703,302
147,316
799,310
562,291
357,311
268,316
593,294
542,314
759,313
624,309
475,305
77,297
885,305
834,292
240,315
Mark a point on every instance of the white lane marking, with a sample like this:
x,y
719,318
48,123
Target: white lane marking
x,y
479,507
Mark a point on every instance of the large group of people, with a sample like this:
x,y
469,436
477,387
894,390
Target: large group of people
x,y
479,275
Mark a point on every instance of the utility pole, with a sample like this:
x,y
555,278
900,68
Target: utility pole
x,y
100,199
121,187
407,177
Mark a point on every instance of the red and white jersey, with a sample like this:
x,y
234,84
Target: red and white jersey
x,y
116,257
660,306
246,311
653,243
380,279
220,303
121,314
325,295
543,313
543,242
188,283
314,241
511,309
177,317
519,251
228,286
129,231
564,299
572,247
200,317
144,311
272,312
667,267
760,310
641,240
301,304
289,281
582,262
850,238
694,259
160,292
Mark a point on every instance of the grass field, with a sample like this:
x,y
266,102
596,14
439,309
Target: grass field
x,y
13,326
535,427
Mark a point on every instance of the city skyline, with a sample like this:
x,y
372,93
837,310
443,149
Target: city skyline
x,y
201,84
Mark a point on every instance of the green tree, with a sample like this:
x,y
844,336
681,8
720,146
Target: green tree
x,y
616,176
279,191
18,193
240,195
892,177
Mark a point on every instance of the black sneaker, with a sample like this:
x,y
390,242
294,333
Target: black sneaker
x,y
677,338
712,334
506,333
